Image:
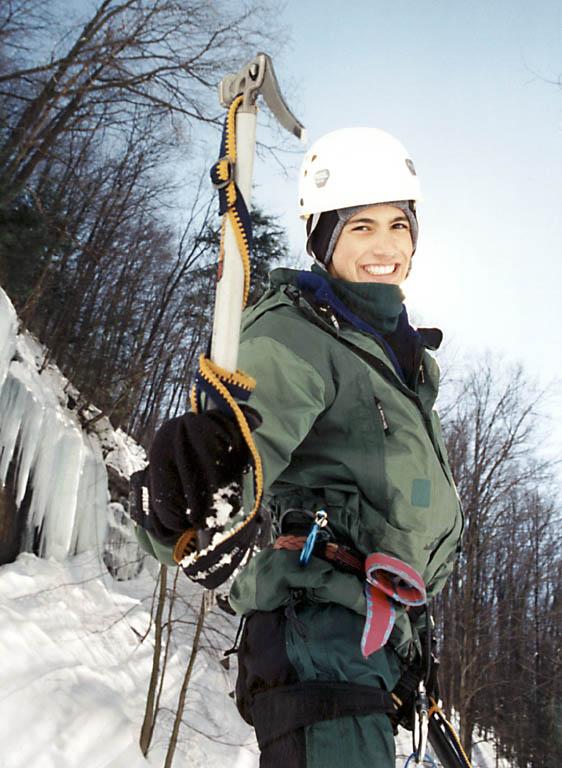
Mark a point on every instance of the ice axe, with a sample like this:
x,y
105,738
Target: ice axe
x,y
209,555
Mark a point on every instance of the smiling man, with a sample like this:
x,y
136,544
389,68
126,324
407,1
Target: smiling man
x,y
353,458
365,519
345,389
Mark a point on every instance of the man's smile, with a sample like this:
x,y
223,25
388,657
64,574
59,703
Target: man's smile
x,y
379,269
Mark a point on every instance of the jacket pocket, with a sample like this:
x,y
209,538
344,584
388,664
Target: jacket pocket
x,y
380,429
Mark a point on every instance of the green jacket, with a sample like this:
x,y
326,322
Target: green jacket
x,y
341,432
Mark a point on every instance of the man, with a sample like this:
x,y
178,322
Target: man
x,y
365,515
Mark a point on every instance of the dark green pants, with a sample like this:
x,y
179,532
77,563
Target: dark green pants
x,y
314,642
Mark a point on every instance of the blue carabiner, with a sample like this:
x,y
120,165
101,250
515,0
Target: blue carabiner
x,y
320,521
427,757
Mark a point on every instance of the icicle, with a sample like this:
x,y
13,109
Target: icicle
x,y
92,495
8,331
58,466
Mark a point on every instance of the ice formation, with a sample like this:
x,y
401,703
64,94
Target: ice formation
x,y
59,469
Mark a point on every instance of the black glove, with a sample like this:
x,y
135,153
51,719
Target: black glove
x,y
191,459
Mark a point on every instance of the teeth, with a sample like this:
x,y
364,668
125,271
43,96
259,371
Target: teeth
x,y
379,269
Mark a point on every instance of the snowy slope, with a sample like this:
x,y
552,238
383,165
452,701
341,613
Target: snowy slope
x,y
59,461
75,673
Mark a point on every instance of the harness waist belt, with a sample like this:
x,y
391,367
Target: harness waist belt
x,y
283,709
340,555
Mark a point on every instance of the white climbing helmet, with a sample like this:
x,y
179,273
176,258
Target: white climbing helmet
x,y
354,167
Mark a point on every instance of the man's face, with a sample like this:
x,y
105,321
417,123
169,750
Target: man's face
x,y
375,246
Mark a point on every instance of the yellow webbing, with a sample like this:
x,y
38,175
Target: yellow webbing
x,y
223,170
219,378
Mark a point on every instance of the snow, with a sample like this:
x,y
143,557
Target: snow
x,y
8,331
76,643
76,670
75,673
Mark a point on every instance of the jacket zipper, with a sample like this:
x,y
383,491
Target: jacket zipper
x,y
383,417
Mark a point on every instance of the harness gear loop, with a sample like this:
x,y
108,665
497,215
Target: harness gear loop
x,y
342,557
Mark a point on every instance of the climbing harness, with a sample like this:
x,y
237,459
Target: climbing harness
x,y
388,581
412,696
209,556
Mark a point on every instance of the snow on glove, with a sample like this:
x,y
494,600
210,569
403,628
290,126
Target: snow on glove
x,y
196,466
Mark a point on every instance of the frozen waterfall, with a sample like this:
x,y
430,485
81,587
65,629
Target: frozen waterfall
x,y
58,469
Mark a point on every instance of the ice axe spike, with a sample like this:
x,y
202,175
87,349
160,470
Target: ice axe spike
x,y
258,77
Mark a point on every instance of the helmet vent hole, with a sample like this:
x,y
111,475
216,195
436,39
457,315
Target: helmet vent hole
x,y
313,158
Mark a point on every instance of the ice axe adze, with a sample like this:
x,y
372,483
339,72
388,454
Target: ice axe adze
x,y
210,554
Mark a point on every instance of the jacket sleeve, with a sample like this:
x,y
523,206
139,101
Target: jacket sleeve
x,y
289,396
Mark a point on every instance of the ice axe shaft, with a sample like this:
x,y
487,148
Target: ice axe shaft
x,y
257,77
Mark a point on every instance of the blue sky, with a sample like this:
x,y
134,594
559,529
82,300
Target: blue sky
x,y
470,89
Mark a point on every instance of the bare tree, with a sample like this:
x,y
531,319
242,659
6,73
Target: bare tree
x,y
485,611
164,56
91,249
